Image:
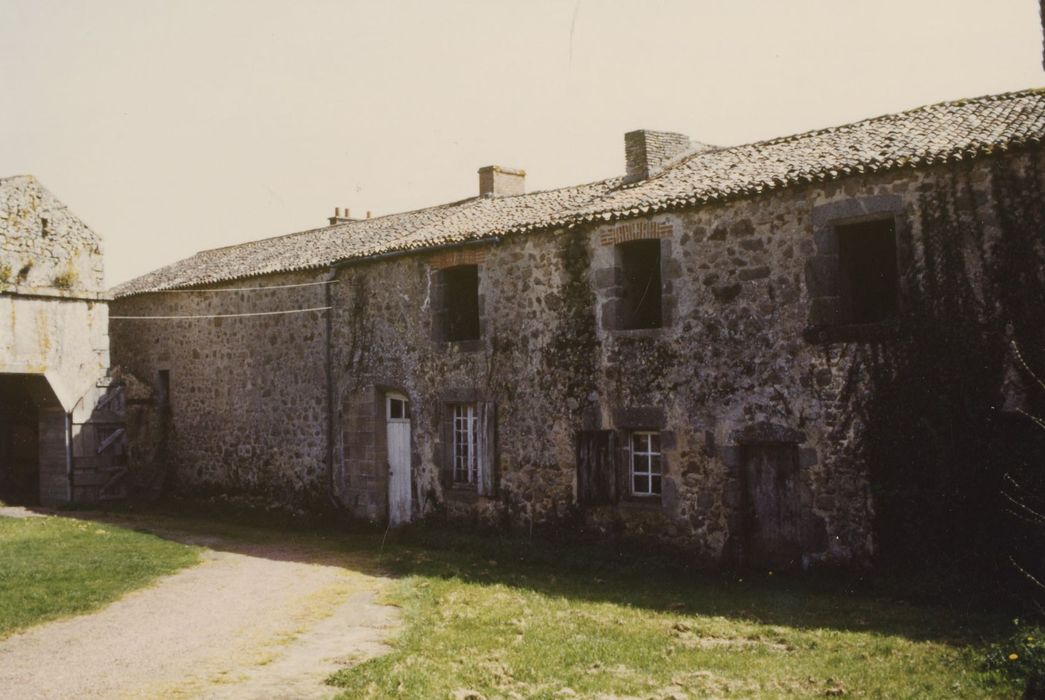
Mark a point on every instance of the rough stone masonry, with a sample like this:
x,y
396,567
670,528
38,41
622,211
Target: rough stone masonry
x,y
54,350
736,380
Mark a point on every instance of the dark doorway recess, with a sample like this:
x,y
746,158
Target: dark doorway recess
x,y
19,441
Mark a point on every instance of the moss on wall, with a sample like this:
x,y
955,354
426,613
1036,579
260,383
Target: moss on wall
x,y
572,354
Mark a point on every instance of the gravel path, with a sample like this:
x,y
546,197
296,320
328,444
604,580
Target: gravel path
x,y
264,621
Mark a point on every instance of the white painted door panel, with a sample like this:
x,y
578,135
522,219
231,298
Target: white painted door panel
x,y
398,420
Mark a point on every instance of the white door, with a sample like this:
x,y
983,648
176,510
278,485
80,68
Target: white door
x,y
397,416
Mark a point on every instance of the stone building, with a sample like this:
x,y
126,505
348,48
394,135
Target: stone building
x,y
742,353
61,433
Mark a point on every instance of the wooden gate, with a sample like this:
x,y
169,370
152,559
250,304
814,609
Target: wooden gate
x,y
99,451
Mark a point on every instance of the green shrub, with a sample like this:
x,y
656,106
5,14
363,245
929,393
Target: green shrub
x,y
5,273
1022,656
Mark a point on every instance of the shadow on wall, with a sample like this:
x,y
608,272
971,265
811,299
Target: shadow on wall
x,y
935,433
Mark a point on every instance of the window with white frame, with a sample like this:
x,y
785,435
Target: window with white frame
x,y
465,452
645,463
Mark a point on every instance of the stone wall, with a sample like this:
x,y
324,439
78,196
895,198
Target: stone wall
x,y
53,318
247,402
362,486
746,365
42,244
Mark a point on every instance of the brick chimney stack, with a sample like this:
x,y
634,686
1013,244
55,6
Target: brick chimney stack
x,y
495,181
646,152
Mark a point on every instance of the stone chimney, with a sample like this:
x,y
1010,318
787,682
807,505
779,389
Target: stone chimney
x,y
495,181
646,152
338,219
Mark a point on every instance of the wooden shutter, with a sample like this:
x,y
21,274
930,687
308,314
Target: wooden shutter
x,y
446,433
597,470
486,439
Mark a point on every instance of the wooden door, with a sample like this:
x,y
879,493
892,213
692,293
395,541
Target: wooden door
x,y
773,509
397,415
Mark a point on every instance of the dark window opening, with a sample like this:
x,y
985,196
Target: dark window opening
x,y
461,289
641,298
867,263
163,391
398,409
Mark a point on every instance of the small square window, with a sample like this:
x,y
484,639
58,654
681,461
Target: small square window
x,y
868,279
398,408
645,463
641,297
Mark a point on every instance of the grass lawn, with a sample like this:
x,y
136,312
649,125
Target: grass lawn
x,y
510,619
53,567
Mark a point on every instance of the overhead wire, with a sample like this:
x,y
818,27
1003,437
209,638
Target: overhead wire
x,y
242,289
240,315
235,315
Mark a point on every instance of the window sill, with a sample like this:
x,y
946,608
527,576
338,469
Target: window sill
x,y
462,493
642,502
637,332
853,332
470,345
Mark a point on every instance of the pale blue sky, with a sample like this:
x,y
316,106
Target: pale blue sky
x,y
176,126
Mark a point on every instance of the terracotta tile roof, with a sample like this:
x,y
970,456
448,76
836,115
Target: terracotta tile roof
x,y
945,132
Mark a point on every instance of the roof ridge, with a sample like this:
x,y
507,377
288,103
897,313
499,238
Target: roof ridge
x,y
432,207
918,137
791,138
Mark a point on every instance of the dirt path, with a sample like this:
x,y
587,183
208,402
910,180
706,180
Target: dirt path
x,y
259,621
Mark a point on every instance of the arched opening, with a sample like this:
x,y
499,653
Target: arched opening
x,y
33,467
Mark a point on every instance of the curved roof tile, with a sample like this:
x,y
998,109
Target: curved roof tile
x,y
920,137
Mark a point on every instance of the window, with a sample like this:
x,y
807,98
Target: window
x,y
868,283
398,407
641,298
465,444
469,446
645,463
461,302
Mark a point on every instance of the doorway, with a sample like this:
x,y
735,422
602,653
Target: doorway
x,y
773,513
33,466
397,416
19,446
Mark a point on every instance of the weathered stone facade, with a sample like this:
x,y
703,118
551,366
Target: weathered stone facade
x,y
54,343
753,363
